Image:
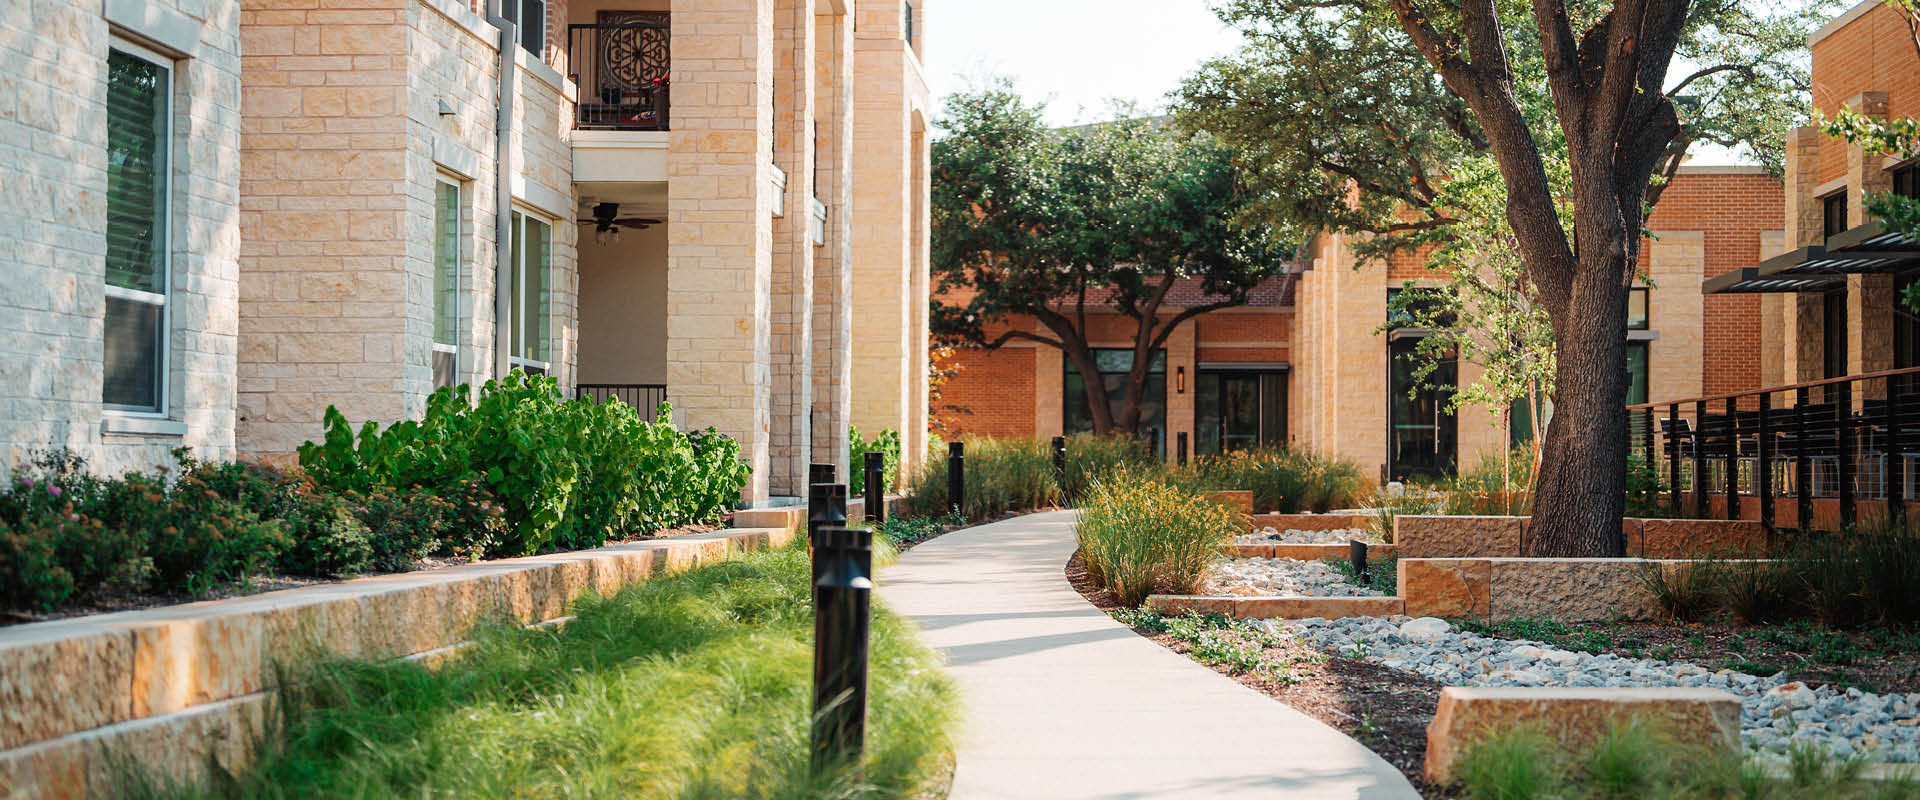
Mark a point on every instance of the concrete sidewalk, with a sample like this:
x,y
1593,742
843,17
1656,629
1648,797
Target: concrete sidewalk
x,y
1063,702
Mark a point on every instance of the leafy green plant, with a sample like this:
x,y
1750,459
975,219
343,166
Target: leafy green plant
x,y
887,443
1382,574
568,474
1139,535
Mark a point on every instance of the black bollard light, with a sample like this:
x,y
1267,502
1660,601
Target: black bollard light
x,y
956,477
842,606
1357,551
1181,437
819,473
1060,458
826,508
875,506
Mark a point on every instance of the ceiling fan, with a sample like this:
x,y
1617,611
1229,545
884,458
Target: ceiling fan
x,y
607,222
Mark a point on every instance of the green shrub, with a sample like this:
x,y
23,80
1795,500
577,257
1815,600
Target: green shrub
x,y
325,539
1001,475
1089,457
200,539
31,575
1685,592
568,474
887,443
403,526
1139,535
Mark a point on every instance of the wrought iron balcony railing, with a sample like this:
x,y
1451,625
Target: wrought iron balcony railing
x,y
621,66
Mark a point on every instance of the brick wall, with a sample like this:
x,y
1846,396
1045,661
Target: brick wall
x,y
1732,208
53,165
993,395
1871,52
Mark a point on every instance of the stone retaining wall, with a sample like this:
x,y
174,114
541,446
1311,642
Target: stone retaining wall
x,y
1505,537
1310,522
1305,552
1575,718
166,686
1565,589
1276,607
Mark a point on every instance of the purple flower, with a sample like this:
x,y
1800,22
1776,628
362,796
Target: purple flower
x,y
53,490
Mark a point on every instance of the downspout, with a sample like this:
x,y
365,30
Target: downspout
x,y
503,191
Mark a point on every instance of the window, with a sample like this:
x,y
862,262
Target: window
x,y
1422,432
1114,364
1637,372
446,284
1906,181
530,257
531,16
1834,207
908,26
139,105
1834,333
1637,309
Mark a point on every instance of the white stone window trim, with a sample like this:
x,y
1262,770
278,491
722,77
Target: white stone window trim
x,y
136,419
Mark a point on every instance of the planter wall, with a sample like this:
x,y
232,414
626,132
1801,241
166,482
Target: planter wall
x,y
1565,589
1310,522
166,686
1505,537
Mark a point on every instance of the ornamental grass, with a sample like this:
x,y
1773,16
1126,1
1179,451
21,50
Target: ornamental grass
x,y
1140,535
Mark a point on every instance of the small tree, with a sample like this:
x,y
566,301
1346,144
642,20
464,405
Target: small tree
x,y
1049,225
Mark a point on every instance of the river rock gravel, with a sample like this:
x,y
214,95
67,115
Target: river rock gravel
x,y
1270,535
1281,577
1775,714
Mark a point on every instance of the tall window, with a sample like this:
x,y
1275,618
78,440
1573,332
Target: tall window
x,y
139,104
532,294
1834,333
1906,181
446,284
908,27
1638,319
1114,364
531,16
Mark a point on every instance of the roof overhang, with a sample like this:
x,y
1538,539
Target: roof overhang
x,y
1867,249
1748,280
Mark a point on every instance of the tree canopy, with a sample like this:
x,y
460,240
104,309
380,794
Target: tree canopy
x,y
1057,224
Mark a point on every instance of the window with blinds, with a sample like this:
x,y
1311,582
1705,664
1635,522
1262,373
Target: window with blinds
x,y
530,257
139,103
446,284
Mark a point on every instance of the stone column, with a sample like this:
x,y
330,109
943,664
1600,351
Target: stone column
x,y
832,262
1802,317
1049,385
1773,309
1675,261
720,201
793,251
1182,353
1869,297
883,285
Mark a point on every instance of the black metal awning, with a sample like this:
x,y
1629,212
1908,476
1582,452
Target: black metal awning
x,y
1866,249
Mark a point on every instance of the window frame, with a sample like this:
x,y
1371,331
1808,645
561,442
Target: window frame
x,y
519,19
1645,294
1829,225
459,270
163,350
518,321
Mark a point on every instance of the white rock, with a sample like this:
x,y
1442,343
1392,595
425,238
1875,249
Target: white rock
x,y
1425,629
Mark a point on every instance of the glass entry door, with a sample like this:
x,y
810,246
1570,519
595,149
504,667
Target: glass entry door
x,y
1422,437
1237,410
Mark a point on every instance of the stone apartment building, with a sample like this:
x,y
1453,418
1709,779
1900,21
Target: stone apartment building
x,y
354,202
1307,363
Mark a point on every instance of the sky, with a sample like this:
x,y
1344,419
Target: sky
x,y
1078,55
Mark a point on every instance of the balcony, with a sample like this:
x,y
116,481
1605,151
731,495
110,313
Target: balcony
x,y
621,66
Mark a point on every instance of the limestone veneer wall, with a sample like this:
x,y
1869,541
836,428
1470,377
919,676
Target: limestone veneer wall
x,y
53,218
1565,589
166,687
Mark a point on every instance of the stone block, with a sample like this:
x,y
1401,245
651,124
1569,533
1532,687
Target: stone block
x,y
1446,587
53,684
1458,537
1571,589
1277,607
791,518
1700,538
54,770
1574,718
1310,522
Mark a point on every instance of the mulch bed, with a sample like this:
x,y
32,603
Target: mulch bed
x,y
1387,710
1875,660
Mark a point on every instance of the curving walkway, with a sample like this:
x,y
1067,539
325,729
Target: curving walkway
x,y
1063,702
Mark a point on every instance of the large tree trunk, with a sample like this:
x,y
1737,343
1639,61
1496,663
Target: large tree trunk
x,y
1580,489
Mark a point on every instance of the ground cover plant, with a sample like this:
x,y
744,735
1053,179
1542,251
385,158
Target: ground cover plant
x,y
1637,759
1383,574
696,685
1140,535
1856,577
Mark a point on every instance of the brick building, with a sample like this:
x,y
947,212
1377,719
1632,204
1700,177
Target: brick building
x,y
1307,362
261,209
